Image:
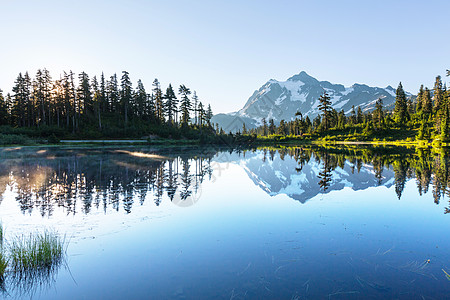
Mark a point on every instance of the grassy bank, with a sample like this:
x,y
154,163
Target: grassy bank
x,y
395,137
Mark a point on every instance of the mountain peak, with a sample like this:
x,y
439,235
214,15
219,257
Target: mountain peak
x,y
280,100
303,77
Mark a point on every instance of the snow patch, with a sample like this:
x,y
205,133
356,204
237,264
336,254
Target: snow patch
x,y
294,88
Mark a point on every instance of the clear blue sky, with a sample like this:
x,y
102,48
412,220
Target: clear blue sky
x,y
226,49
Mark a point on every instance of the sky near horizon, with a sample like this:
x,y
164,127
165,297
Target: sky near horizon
x,y
225,50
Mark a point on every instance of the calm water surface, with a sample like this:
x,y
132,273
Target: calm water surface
x,y
291,223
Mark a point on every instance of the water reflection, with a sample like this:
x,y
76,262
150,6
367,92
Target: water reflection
x,y
100,179
83,179
315,170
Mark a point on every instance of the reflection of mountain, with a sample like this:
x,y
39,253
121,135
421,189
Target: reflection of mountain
x,y
83,180
281,177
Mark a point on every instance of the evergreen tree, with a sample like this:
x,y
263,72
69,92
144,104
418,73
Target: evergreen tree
x,y
159,105
103,100
426,104
282,128
438,94
244,129
171,104
378,115
84,97
359,116
325,107
264,122
20,99
353,116
113,94
195,101
308,124
341,120
97,101
140,99
439,108
401,109
4,115
185,105
125,94
419,100
271,127
209,115
201,114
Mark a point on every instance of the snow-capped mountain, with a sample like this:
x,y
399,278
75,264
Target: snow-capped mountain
x,y
280,100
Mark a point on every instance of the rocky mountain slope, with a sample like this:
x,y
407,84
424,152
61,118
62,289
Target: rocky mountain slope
x,y
280,100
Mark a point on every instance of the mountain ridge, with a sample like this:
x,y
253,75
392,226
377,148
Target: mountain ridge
x,y
280,100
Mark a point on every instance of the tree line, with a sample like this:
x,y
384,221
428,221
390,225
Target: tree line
x,y
101,106
425,117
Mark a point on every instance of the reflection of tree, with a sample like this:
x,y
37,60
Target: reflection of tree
x,y
325,175
378,169
78,182
400,168
186,179
428,167
171,180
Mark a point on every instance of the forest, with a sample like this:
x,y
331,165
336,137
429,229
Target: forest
x,y
421,117
83,107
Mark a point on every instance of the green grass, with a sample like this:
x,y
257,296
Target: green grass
x,y
36,252
30,258
3,258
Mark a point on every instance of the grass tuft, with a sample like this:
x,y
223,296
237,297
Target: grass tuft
x,y
36,252
3,258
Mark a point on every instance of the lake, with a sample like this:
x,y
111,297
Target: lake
x,y
200,223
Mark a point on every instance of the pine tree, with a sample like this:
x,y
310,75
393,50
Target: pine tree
x,y
264,122
159,105
244,129
103,100
359,116
185,105
171,104
84,97
113,94
378,115
341,120
4,115
271,127
201,114
419,100
125,94
353,116
209,115
140,99
438,94
18,109
439,108
282,128
325,107
97,101
195,101
426,104
401,109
